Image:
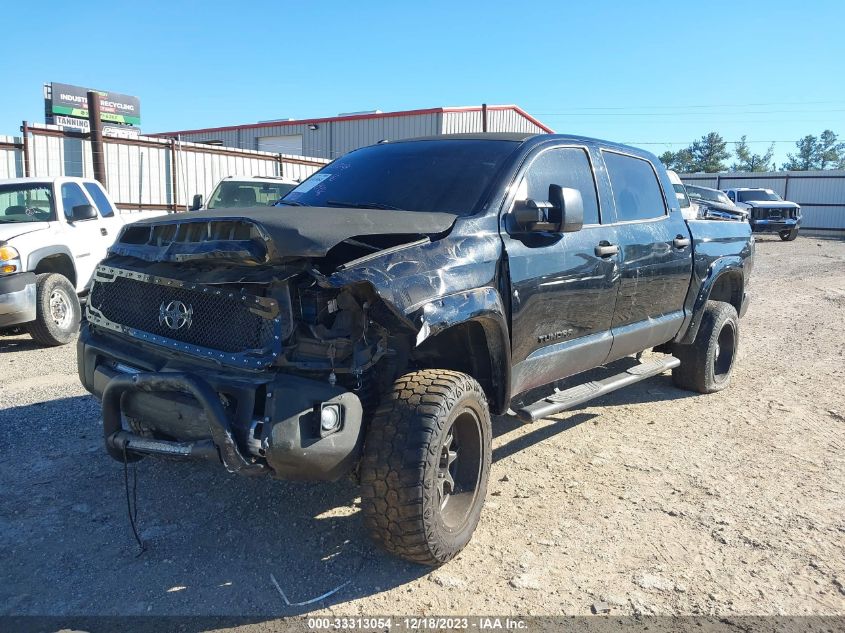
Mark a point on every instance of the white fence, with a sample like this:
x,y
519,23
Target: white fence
x,y
142,172
821,194
11,157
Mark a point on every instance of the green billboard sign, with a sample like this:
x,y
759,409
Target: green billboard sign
x,y
72,101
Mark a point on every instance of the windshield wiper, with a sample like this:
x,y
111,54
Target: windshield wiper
x,y
362,205
290,203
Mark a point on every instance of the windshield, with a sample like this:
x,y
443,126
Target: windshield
x,y
757,194
681,195
234,193
26,202
703,193
451,176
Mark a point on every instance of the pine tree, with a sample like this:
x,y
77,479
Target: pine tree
x,y
680,161
746,161
829,151
709,153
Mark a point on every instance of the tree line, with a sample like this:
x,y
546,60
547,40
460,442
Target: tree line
x,y
710,153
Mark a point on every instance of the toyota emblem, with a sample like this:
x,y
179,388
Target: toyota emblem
x,y
175,315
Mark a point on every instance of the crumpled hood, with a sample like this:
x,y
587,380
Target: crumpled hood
x,y
288,231
16,229
720,206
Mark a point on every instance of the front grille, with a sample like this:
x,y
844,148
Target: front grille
x,y
201,318
774,214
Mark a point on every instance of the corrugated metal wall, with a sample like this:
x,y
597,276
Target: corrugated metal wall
x,y
140,172
337,137
821,194
497,121
349,135
11,156
331,138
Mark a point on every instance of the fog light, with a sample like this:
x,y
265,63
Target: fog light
x,y
330,418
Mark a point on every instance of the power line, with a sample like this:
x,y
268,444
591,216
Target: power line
x,y
690,142
696,106
668,114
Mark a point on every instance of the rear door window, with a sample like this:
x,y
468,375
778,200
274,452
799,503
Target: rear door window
x,y
636,190
100,199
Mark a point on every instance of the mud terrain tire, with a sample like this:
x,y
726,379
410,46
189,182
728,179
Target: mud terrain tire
x,y
707,364
426,462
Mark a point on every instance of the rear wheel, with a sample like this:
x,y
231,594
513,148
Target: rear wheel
x,y
789,235
707,364
57,311
425,467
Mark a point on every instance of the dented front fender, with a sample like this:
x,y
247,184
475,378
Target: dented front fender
x,y
433,286
408,278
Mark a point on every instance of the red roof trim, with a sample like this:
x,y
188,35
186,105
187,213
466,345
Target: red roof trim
x,y
358,117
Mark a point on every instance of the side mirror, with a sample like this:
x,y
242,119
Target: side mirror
x,y
196,205
562,213
83,212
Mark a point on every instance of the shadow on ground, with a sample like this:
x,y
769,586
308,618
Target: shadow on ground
x,y
656,389
12,342
212,539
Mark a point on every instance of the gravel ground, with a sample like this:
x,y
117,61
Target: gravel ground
x,y
653,499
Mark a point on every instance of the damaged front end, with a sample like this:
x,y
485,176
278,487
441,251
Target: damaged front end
x,y
227,339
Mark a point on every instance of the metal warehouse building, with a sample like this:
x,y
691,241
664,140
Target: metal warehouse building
x,y
334,136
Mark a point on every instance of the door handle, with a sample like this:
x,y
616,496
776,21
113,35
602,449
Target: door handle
x,y
103,231
681,242
605,249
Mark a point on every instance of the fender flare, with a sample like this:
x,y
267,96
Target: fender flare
x,y
480,305
731,265
35,256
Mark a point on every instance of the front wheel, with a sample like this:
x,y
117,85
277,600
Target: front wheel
x,y
57,311
707,364
788,235
425,467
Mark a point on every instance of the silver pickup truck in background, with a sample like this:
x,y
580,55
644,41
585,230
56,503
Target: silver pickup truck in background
x,y
769,213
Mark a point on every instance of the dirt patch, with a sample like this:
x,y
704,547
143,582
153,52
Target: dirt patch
x,y
652,500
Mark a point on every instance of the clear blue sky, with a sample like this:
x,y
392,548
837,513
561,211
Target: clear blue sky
x,y
638,72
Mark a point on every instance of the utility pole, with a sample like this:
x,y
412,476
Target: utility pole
x,y
97,151
27,169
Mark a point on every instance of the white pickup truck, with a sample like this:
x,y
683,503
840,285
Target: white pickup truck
x,y
53,233
245,191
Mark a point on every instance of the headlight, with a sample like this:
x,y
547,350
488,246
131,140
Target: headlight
x,y
10,259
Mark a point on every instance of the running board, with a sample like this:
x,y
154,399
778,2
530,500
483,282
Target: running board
x,y
569,398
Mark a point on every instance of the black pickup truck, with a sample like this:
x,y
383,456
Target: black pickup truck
x,y
372,322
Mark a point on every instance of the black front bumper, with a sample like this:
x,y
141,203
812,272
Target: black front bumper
x,y
254,423
120,443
